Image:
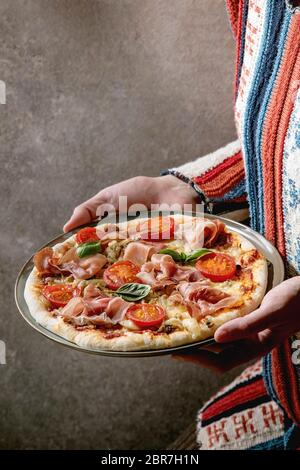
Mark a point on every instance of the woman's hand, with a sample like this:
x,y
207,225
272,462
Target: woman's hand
x,y
257,333
139,190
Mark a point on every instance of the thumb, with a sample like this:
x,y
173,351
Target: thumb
x,y
81,215
241,328
85,212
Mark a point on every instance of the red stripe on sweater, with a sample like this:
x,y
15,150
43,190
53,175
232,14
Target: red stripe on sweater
x,y
233,11
238,397
225,182
285,381
221,168
221,179
282,131
240,23
219,190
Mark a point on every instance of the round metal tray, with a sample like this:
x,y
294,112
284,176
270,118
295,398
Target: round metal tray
x,y
275,277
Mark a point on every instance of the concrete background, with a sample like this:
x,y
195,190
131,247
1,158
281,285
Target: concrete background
x,y
98,91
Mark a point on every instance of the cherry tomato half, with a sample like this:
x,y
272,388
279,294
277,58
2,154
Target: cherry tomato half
x,y
120,273
217,267
87,234
157,229
146,315
60,294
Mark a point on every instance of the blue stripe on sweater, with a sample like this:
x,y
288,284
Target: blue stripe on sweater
x,y
273,444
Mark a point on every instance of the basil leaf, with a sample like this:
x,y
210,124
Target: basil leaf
x,y
197,254
183,257
133,291
175,255
87,249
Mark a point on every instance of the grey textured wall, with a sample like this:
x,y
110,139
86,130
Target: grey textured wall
x,y
98,91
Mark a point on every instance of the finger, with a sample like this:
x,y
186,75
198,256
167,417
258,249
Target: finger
x,y
90,209
81,215
241,328
86,212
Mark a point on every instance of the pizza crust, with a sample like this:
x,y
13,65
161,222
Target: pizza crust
x,y
132,341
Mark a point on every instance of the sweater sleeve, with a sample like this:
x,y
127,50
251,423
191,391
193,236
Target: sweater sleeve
x,y
218,178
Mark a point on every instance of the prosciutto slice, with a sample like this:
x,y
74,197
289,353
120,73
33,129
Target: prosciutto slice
x,y
85,268
202,233
111,232
138,253
95,309
91,291
212,232
162,270
45,262
116,309
81,268
202,299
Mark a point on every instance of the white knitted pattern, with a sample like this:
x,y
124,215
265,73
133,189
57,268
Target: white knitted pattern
x,y
291,189
244,429
253,41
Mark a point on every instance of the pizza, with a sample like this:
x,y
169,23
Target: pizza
x,y
148,283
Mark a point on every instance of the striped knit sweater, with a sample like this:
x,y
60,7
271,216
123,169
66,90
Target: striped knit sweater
x,y
263,165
